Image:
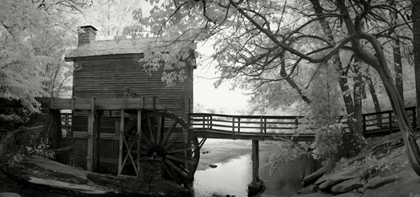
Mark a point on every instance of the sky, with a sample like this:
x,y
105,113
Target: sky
x,y
216,98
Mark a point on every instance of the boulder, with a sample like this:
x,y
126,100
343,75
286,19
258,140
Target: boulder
x,y
307,190
212,165
329,180
346,186
349,194
377,182
317,194
9,194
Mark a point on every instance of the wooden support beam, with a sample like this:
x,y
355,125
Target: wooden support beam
x,y
120,152
97,140
90,141
138,140
149,103
255,161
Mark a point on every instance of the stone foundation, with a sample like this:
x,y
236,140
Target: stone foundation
x,y
150,181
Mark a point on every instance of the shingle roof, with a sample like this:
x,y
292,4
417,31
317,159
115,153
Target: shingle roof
x,y
110,47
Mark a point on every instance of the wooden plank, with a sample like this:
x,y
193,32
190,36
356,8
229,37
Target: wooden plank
x,y
120,166
90,140
107,103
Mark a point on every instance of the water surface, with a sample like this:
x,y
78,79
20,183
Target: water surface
x,y
233,177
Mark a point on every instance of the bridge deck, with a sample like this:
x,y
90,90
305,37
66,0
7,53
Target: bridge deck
x,y
218,134
221,126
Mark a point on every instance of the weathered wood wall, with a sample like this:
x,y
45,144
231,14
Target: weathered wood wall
x,y
107,77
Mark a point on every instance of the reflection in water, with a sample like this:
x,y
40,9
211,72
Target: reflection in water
x,y
232,178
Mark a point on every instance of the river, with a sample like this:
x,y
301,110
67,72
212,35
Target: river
x,y
233,177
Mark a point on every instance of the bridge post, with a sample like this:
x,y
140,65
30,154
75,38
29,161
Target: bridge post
x,y
257,184
255,160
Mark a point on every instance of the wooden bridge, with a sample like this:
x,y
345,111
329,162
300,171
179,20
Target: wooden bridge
x,y
220,126
256,128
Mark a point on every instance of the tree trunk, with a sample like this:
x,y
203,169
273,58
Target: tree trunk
x,y
375,100
416,51
398,68
356,133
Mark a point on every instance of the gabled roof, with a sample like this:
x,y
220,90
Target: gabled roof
x,y
110,47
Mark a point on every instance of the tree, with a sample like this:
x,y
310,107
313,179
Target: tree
x,y
416,51
252,36
33,39
111,16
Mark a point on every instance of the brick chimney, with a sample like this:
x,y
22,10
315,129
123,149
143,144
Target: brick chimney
x,y
86,34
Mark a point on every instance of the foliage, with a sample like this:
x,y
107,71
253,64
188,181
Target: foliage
x,y
260,43
41,149
284,154
111,17
34,35
328,143
371,167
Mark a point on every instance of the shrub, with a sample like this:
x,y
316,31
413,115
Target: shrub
x,y
328,141
42,149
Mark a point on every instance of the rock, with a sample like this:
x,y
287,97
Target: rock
x,y
377,182
307,190
347,186
349,194
213,166
318,194
328,181
256,188
9,194
313,177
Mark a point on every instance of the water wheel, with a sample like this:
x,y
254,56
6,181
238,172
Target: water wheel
x,y
167,137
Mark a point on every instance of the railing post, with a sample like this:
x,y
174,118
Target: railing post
x,y
265,125
261,124
211,122
414,118
390,121
297,122
204,122
239,124
233,124
364,124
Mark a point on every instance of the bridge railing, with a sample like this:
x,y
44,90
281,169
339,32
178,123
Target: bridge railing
x,y
243,123
373,123
385,121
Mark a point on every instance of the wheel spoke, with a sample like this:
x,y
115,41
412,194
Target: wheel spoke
x,y
146,139
177,150
176,168
169,132
164,133
181,159
149,121
159,131
170,173
173,141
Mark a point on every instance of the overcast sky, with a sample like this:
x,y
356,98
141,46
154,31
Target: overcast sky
x,y
205,92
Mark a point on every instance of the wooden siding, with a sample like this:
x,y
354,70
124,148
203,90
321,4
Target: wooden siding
x,y
108,78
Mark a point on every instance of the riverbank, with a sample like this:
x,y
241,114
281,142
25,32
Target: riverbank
x,y
382,169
